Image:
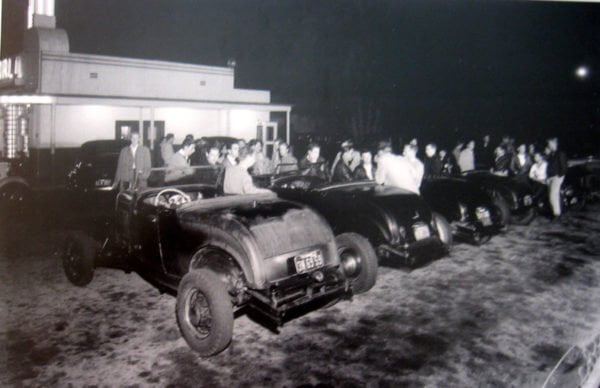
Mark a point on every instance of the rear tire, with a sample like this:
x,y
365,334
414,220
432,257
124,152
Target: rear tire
x,y
362,250
78,258
204,312
443,229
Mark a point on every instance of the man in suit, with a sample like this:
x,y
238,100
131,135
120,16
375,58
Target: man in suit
x,y
133,168
179,165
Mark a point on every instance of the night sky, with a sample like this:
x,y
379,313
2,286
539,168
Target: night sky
x,y
438,70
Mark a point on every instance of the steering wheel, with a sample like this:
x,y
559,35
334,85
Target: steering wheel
x,y
184,197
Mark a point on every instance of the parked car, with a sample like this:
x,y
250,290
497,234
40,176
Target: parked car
x,y
397,223
517,195
584,174
220,253
473,214
96,165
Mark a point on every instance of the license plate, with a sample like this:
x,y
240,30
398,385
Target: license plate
x,y
308,261
421,232
483,215
103,182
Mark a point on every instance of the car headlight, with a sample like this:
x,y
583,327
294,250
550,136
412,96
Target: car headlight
x,y
527,200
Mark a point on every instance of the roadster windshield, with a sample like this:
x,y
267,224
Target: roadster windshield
x,y
174,176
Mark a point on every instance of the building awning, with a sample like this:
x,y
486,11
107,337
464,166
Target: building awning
x,y
138,102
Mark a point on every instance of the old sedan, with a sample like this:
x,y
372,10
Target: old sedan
x,y
221,253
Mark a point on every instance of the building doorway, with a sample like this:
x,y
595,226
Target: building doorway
x,y
124,128
267,132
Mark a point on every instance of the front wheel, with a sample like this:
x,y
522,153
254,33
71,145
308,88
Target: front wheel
x,y
358,259
78,258
204,312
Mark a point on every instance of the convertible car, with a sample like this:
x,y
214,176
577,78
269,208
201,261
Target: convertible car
x,y
397,223
516,195
474,216
221,253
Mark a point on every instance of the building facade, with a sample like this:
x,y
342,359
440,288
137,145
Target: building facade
x,y
53,100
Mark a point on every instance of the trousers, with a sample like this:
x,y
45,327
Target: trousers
x,y
554,184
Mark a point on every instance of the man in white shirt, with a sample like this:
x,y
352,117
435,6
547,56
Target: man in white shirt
x,y
538,171
466,158
405,172
238,180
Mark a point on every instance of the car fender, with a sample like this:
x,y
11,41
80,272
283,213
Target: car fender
x,y
14,180
237,242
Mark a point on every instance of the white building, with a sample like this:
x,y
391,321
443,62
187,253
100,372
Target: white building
x,y
53,100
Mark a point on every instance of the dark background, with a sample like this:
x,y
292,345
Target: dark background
x,y
438,70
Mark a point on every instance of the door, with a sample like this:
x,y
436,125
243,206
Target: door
x,y
124,128
267,132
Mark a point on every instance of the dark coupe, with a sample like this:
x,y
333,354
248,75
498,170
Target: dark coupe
x,y
397,223
516,195
473,214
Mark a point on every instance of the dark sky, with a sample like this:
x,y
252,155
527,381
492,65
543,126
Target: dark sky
x,y
436,69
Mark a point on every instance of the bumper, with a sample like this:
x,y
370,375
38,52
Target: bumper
x,y
296,296
475,232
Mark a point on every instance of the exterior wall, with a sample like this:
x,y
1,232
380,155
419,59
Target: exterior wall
x,y
76,124
79,74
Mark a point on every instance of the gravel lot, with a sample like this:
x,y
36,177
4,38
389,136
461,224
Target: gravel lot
x,y
498,315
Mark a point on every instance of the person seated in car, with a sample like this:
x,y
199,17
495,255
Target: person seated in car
x,y
355,159
432,162
211,155
179,165
449,166
501,162
263,165
287,161
238,180
231,156
342,171
366,169
313,163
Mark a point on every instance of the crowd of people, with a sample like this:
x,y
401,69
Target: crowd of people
x,y
544,169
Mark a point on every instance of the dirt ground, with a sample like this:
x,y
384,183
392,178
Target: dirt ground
x,y
492,316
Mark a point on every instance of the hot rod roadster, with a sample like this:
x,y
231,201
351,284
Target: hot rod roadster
x,y
220,253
